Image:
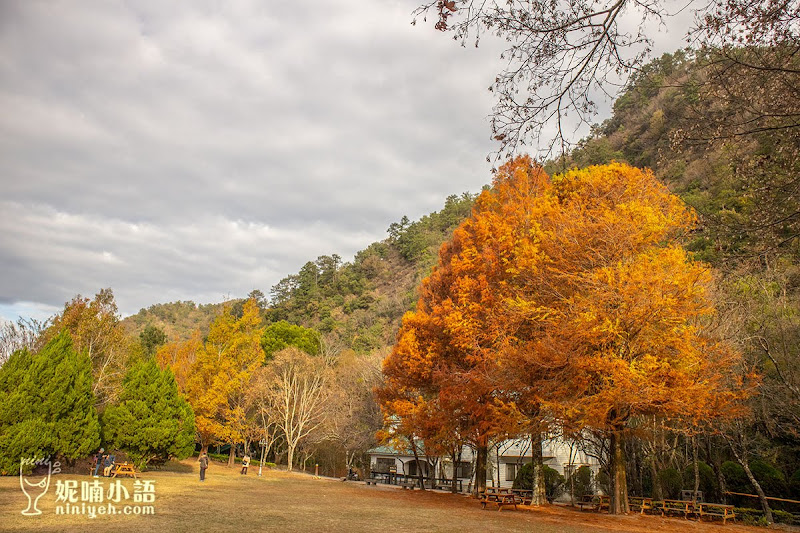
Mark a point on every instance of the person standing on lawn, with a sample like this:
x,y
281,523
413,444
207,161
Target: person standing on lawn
x,y
98,460
245,464
203,465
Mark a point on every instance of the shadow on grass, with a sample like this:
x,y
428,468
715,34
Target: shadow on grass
x,y
177,467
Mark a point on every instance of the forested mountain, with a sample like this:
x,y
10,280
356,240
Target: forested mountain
x,y
358,305
178,320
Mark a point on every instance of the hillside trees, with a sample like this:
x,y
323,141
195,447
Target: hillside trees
x,y
151,338
47,405
572,293
281,334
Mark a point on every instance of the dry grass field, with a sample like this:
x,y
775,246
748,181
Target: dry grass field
x,y
285,502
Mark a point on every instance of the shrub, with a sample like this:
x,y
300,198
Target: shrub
x,y
581,482
770,478
735,477
671,483
553,481
794,484
603,481
783,517
708,483
750,517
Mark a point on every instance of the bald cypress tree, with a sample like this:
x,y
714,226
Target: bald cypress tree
x,y
47,405
151,422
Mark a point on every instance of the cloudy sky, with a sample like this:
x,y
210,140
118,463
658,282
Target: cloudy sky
x,y
198,150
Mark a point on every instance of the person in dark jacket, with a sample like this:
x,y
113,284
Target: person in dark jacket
x,y
203,465
98,460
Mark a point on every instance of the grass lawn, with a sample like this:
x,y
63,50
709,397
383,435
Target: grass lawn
x,y
286,502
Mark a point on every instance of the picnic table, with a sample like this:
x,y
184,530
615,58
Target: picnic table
x,y
124,469
641,504
500,497
597,502
675,507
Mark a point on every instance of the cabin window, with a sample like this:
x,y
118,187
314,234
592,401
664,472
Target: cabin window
x,y
463,470
511,471
383,464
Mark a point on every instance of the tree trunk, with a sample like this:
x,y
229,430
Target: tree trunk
x,y
539,487
420,477
497,463
204,449
658,494
619,484
481,453
456,460
232,455
696,469
289,457
761,496
742,459
713,455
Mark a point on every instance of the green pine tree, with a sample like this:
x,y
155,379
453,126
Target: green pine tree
x,y
47,405
152,422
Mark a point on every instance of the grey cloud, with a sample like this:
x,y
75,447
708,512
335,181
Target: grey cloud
x,y
191,150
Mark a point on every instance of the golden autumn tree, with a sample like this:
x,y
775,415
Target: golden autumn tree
x,y
180,356
619,311
566,299
216,381
603,311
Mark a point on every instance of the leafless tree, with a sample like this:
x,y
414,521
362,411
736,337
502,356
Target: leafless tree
x,y
25,333
561,53
293,389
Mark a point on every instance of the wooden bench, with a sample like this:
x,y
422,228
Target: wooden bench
x,y
408,485
524,496
675,507
636,503
586,501
716,509
372,482
500,499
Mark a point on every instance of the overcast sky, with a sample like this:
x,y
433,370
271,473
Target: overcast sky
x,y
198,150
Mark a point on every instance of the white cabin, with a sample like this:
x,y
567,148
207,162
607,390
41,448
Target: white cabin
x,y
504,461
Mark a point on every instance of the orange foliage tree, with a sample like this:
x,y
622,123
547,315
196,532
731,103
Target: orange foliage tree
x,y
214,376
568,297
